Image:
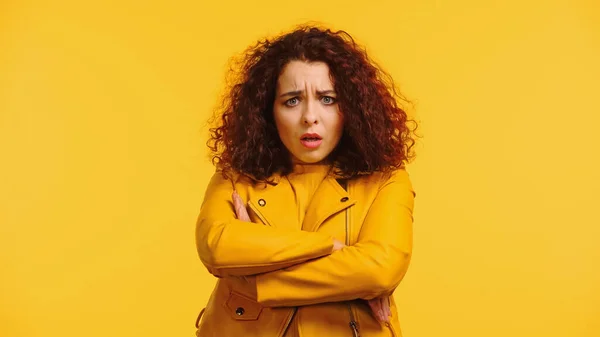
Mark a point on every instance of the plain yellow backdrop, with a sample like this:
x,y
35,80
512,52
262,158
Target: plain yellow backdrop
x,y
103,163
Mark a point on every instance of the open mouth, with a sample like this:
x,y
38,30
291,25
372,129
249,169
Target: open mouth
x,y
311,140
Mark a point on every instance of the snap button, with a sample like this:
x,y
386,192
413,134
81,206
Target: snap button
x,y
241,308
262,202
344,199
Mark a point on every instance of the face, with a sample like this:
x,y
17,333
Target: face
x,y
306,112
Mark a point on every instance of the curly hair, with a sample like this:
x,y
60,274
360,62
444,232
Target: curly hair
x,y
377,133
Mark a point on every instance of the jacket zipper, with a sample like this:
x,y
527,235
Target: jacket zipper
x,y
389,325
289,320
353,324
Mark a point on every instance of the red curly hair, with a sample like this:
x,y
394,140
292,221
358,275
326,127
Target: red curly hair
x,y
377,134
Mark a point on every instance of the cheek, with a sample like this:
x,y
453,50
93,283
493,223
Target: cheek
x,y
282,125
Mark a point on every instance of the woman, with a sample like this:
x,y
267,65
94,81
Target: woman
x,y
307,222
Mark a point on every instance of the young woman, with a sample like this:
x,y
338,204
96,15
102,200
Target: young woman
x,y
307,222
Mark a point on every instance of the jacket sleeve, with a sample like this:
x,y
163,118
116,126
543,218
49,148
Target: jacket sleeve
x,y
230,247
372,267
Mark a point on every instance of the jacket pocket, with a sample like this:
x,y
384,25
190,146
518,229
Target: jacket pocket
x,y
242,308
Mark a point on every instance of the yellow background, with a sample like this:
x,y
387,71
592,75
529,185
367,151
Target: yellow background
x,y
102,111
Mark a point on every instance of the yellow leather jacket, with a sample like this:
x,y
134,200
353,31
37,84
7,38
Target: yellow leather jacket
x,y
270,271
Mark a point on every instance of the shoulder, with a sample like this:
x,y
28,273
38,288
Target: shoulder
x,y
381,179
392,188
235,181
230,178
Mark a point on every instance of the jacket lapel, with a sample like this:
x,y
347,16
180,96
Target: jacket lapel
x,y
274,204
329,198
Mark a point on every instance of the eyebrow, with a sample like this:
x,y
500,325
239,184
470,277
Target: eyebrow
x,y
298,92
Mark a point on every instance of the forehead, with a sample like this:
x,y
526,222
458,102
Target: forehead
x,y
297,75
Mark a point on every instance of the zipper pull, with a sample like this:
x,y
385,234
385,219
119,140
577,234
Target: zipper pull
x,y
354,328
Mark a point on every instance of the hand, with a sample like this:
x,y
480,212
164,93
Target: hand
x,y
338,245
240,209
381,308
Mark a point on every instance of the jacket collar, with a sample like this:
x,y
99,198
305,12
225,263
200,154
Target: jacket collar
x,y
329,199
270,204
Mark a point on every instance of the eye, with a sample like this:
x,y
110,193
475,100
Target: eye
x,y
292,101
327,100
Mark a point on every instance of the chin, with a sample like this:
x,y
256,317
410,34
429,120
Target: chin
x,y
309,160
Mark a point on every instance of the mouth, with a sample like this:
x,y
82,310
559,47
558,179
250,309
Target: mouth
x,y
311,140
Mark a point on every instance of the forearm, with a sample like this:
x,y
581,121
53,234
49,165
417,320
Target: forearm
x,y
363,271
228,246
239,248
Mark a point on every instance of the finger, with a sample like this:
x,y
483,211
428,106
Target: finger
x,y
240,208
386,308
379,309
244,214
235,197
236,203
375,305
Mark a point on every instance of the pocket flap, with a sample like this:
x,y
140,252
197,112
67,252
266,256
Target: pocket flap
x,y
242,308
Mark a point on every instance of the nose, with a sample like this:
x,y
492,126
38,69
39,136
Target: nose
x,y
309,117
